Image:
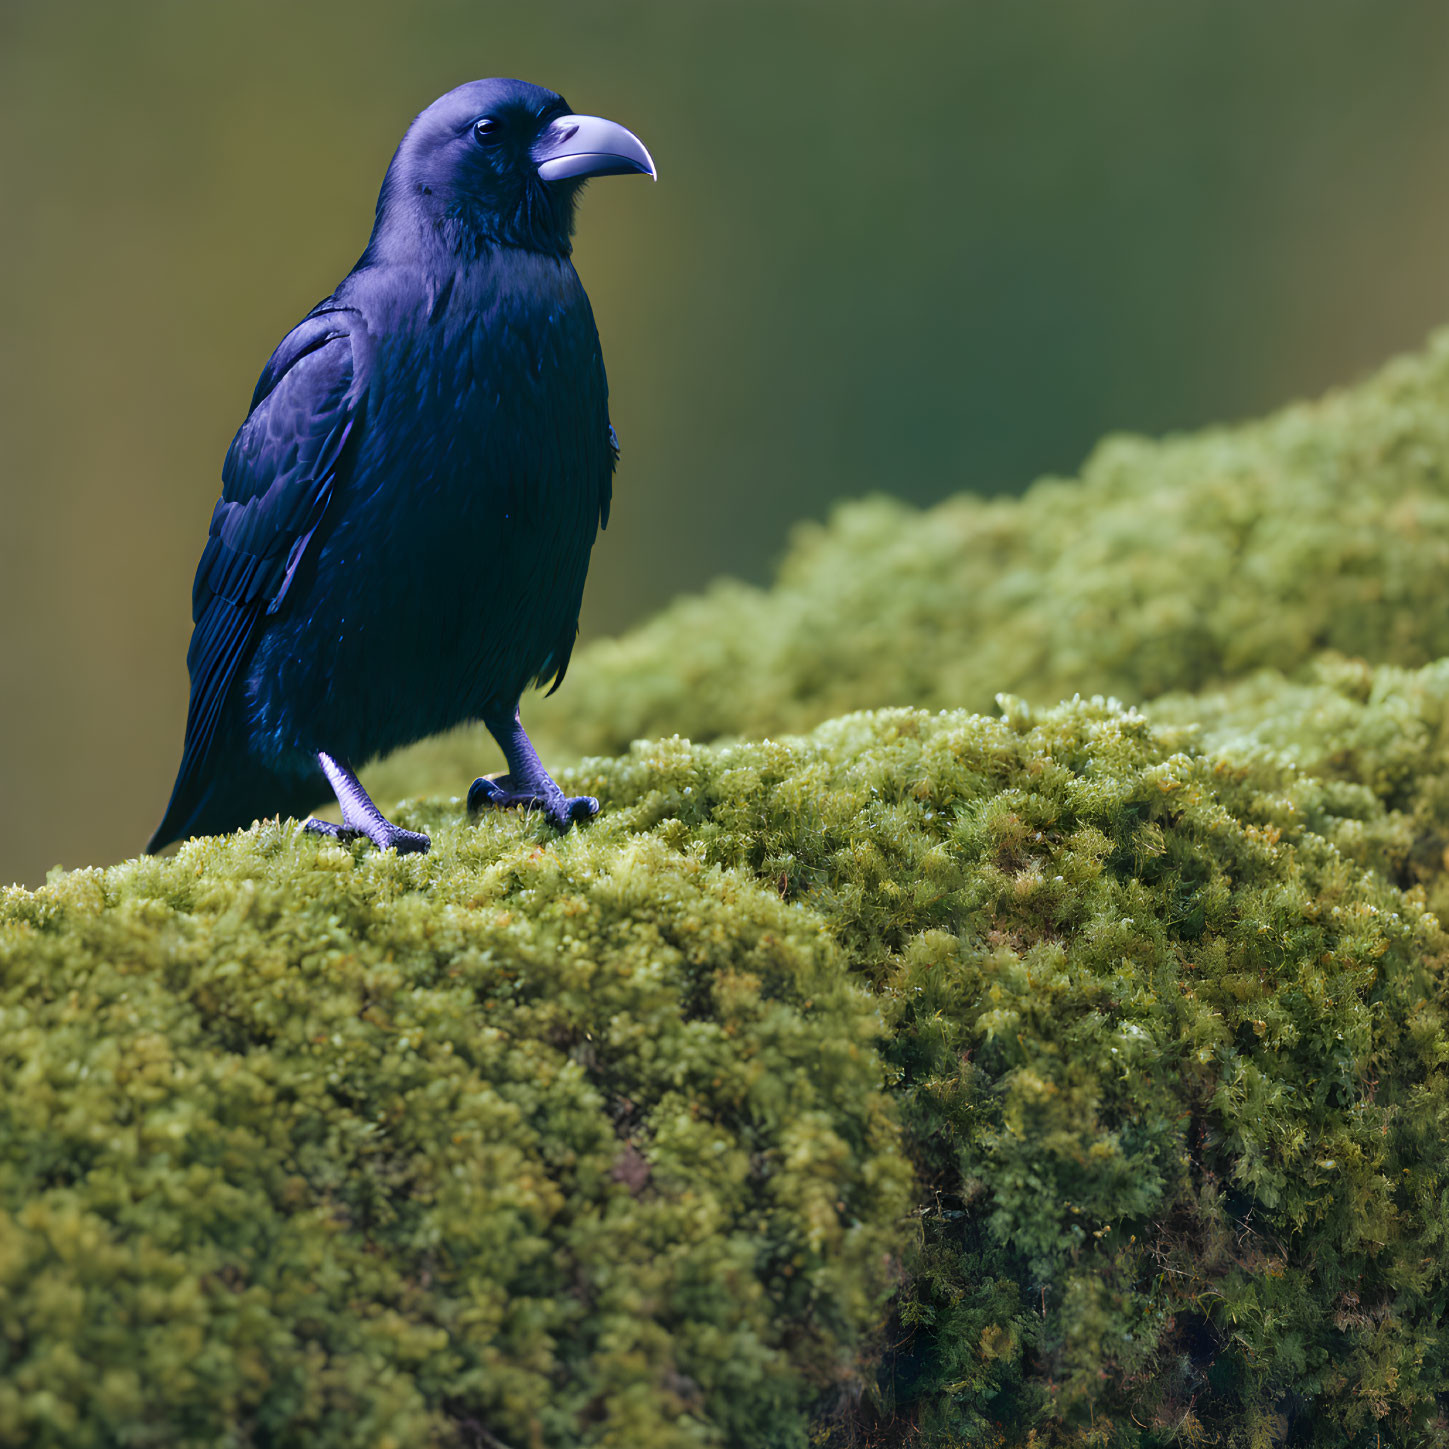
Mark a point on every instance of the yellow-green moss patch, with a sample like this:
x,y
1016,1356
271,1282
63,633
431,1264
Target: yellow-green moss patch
x,y
581,1142
604,1140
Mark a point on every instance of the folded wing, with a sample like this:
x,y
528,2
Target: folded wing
x,y
280,472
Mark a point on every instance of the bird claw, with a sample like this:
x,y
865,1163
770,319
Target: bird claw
x,y
340,833
562,810
405,842
387,837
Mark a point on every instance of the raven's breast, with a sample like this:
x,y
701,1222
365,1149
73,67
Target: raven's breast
x,y
449,570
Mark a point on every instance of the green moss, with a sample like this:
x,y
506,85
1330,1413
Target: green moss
x,y
1172,1074
1167,566
583,1140
1364,751
300,1146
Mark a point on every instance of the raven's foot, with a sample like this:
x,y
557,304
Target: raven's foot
x,y
498,793
361,817
387,836
527,783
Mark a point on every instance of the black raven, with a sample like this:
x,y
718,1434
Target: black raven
x,y
407,512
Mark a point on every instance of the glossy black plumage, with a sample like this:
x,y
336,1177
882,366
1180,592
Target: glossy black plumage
x,y
408,510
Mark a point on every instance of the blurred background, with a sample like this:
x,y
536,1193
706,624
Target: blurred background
x,y
906,247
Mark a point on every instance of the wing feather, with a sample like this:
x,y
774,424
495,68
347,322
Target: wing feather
x,y
279,474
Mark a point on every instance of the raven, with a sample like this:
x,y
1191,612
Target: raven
x,y
408,510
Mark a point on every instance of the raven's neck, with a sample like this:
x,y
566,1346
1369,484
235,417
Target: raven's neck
x,y
414,225
511,284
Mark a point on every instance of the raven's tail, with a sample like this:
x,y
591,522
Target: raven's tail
x,y
232,792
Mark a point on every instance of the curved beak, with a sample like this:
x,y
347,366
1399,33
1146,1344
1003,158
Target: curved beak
x,y
578,146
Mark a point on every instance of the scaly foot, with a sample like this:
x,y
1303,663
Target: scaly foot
x,y
497,793
385,836
360,816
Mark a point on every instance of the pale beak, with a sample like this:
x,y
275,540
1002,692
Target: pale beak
x,y
578,146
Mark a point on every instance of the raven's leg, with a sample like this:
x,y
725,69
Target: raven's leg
x,y
527,783
359,815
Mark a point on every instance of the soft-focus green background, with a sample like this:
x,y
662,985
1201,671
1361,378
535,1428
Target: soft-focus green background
x,y
908,247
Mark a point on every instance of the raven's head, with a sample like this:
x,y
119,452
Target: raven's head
x,y
499,163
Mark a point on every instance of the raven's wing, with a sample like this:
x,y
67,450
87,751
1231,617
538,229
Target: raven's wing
x,y
278,476
606,487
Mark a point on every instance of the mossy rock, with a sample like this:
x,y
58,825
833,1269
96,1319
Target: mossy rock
x,y
583,1142
613,1139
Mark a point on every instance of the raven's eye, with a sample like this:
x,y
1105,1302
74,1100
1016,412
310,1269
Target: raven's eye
x,y
487,130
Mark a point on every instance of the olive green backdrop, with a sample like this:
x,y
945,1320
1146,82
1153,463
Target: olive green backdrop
x,y
904,247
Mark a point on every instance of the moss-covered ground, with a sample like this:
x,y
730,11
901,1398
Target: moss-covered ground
x,y
1054,1074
